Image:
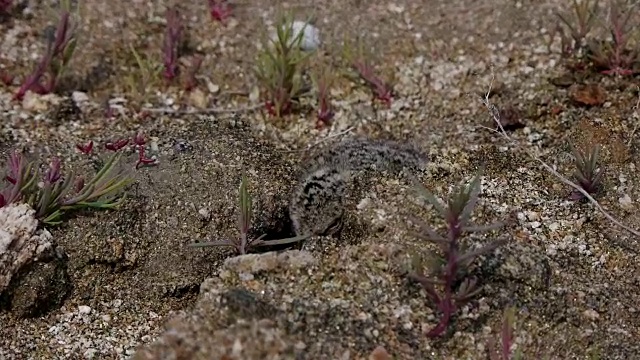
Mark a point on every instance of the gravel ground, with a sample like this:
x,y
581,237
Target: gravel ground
x,y
571,274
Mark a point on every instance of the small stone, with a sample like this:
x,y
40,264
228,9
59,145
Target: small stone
x,y
90,353
246,277
252,263
587,95
198,99
626,202
237,348
181,145
79,97
591,314
83,309
296,259
34,102
267,262
310,35
395,8
205,214
363,203
379,353
254,95
310,38
533,216
153,144
213,88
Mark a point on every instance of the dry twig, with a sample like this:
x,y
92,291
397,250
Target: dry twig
x,y
495,114
167,110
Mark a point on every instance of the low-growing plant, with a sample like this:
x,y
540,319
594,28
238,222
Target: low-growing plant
x,y
5,6
220,10
52,195
60,50
148,71
190,80
445,277
87,148
614,56
172,36
116,145
578,24
506,339
244,243
323,80
360,60
587,174
140,141
5,77
495,115
279,67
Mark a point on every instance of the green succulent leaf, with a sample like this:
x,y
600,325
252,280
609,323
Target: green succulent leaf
x,y
285,241
431,199
225,242
244,222
469,198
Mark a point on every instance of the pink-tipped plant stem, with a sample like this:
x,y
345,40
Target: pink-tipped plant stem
x,y
382,91
220,10
57,56
172,36
190,81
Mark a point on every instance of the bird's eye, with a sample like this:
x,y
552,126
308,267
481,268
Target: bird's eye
x,y
334,226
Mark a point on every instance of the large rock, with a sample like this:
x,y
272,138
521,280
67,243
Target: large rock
x,y
33,276
233,322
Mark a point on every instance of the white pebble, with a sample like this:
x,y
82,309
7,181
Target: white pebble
x,y
90,353
395,8
84,309
205,214
625,201
591,314
310,35
363,203
310,38
79,97
246,276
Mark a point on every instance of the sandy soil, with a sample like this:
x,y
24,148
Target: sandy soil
x,y
571,274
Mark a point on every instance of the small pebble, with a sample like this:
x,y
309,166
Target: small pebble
x,y
79,97
310,40
205,214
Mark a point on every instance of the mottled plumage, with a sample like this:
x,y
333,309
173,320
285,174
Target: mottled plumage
x,y
317,204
